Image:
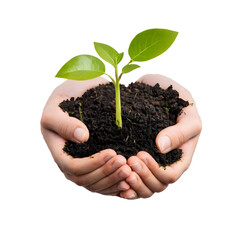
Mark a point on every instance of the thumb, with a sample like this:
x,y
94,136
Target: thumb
x,y
173,137
70,128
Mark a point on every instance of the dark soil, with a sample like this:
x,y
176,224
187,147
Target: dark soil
x,y
146,110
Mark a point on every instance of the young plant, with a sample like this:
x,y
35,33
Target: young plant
x,y
144,46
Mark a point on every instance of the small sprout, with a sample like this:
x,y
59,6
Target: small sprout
x,y
80,111
145,46
133,122
167,110
129,120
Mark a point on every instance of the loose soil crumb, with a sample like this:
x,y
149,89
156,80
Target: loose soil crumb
x,y
146,110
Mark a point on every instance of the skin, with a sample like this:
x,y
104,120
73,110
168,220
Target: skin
x,y
147,177
106,172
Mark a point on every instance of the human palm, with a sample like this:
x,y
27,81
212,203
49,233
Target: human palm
x,y
109,173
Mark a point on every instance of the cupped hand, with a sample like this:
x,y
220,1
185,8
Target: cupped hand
x,y
105,172
147,177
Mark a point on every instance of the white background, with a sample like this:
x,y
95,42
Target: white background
x,y
37,38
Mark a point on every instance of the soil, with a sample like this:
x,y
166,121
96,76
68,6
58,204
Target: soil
x,y
146,110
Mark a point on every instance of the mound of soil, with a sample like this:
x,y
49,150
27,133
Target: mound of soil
x,y
146,110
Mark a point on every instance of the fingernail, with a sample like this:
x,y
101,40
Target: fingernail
x,y
79,134
136,167
131,196
164,144
128,196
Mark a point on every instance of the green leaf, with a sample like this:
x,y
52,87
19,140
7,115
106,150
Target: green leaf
x,y
107,53
119,57
129,68
82,67
150,44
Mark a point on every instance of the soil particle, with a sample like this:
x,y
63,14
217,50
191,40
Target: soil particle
x,y
146,110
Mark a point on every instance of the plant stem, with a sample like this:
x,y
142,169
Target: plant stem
x,y
111,79
118,100
118,105
80,111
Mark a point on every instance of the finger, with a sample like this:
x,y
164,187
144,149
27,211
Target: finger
x,y
146,175
53,118
138,186
119,175
116,189
81,166
70,165
70,128
171,173
105,170
129,194
188,126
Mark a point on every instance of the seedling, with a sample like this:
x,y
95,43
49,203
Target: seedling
x,y
144,46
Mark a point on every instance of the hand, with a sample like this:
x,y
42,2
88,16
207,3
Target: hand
x,y
147,177
103,172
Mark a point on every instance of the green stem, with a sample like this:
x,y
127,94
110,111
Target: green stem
x,y
118,105
118,100
120,76
116,74
111,79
